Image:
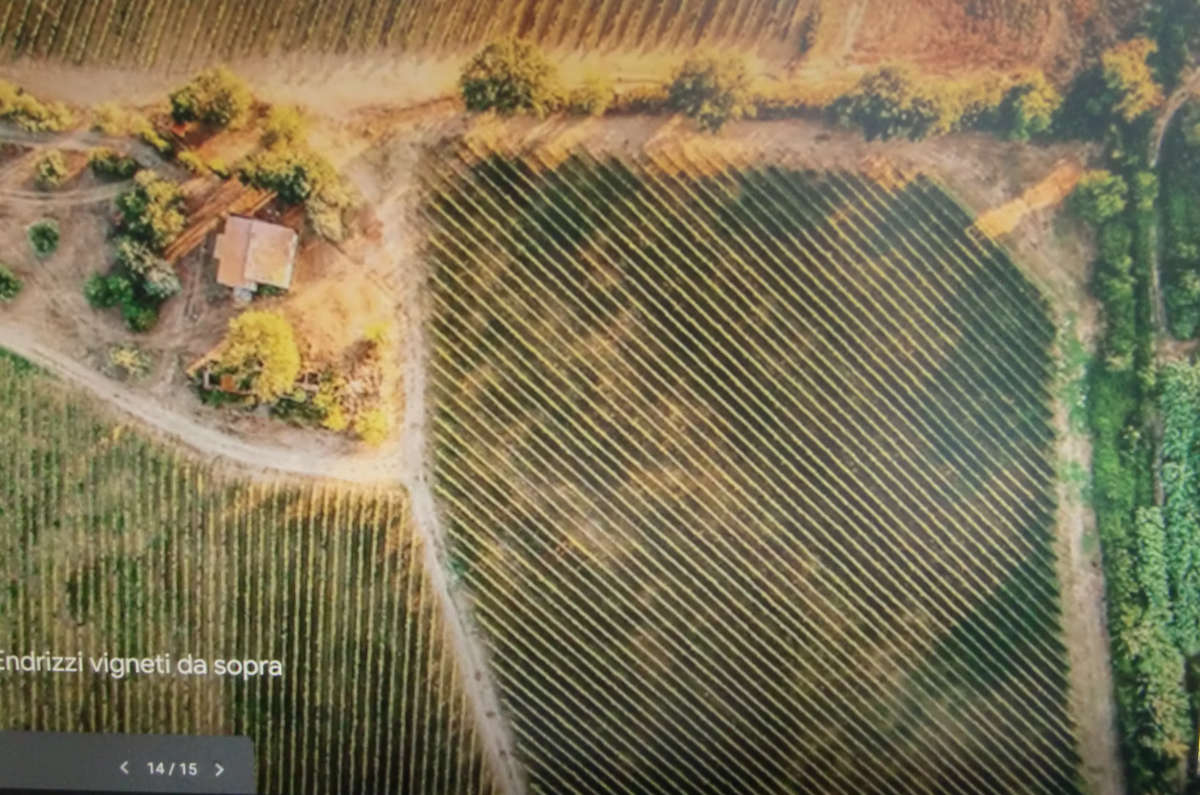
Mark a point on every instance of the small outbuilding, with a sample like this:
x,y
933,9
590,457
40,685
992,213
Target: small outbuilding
x,y
250,253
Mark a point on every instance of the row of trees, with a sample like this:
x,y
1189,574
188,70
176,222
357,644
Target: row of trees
x,y
26,111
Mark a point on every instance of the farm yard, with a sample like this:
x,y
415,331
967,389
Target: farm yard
x,y
761,493
112,542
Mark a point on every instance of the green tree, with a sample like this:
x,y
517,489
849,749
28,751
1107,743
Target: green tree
x,y
510,76
214,96
1098,196
10,285
260,348
1128,75
104,291
152,211
712,90
43,237
155,275
51,170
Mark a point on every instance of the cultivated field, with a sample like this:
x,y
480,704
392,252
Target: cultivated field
x,y
110,543
748,474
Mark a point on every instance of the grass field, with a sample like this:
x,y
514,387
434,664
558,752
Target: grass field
x,y
748,474
184,33
112,543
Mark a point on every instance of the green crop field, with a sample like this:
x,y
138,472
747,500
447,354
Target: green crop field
x,y
748,473
184,33
109,543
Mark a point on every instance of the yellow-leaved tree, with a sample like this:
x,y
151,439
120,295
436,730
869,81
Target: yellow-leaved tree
x,y
260,351
1127,74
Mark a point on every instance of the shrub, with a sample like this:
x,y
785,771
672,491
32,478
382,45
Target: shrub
x,y
214,96
139,317
109,164
10,285
373,426
285,125
1098,196
141,127
51,170
1029,106
593,97
43,237
128,361
152,211
155,275
292,172
887,103
711,90
29,114
219,167
192,162
510,76
105,291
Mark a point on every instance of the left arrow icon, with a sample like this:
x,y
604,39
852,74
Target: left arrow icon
x,y
125,767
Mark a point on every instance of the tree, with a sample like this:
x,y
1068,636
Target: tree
x,y
51,170
155,275
152,211
10,285
711,90
1029,106
28,113
214,96
103,291
293,172
889,102
285,125
43,237
260,348
1129,77
508,76
1098,196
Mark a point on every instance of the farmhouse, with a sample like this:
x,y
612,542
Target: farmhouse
x,y
250,253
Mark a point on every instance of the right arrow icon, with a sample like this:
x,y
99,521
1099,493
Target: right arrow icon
x,y
220,769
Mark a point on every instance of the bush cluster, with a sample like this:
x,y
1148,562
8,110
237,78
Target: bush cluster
x,y
110,164
43,237
215,96
28,113
51,170
150,217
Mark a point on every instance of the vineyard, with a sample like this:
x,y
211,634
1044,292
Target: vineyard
x,y
111,544
184,33
747,471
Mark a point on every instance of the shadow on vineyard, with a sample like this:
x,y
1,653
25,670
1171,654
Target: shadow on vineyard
x,y
748,474
112,544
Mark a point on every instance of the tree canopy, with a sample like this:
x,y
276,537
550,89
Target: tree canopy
x,y
712,90
1128,75
260,348
214,96
509,76
1099,196
152,211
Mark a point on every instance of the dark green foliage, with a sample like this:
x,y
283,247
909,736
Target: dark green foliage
x,y
510,76
1180,169
105,291
139,317
43,237
10,285
1180,407
711,90
110,164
